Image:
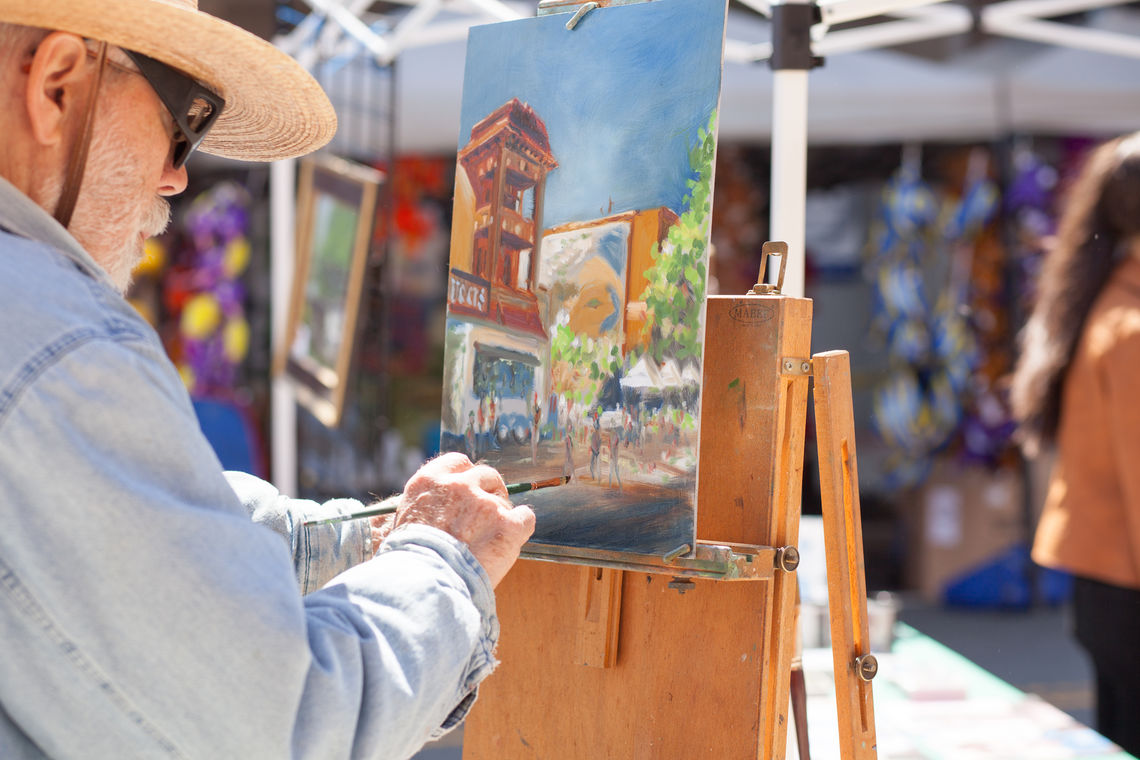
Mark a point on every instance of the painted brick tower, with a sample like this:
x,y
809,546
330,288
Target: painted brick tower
x,y
506,162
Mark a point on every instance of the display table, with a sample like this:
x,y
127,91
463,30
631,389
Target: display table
x,y
933,704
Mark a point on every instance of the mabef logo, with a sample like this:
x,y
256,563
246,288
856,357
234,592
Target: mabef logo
x,y
752,313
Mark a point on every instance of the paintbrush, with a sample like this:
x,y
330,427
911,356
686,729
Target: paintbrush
x,y
389,505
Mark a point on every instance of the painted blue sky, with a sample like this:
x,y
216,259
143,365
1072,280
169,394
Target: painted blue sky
x,y
622,95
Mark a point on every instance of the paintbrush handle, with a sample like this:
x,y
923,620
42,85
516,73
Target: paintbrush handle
x,y
389,505
385,507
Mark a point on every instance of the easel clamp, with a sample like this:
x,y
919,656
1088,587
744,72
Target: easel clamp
x,y
713,560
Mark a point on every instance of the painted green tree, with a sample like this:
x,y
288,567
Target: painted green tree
x,y
675,294
581,364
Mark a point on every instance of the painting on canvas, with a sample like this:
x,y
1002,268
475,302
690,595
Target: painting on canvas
x,y
579,265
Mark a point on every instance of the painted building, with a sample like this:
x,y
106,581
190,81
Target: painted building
x,y
609,256
497,343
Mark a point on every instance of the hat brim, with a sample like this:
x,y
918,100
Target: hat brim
x,y
274,108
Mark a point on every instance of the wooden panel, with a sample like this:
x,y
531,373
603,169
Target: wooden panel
x,y
700,674
599,599
843,539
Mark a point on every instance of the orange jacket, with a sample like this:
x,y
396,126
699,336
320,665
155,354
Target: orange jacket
x,y
1090,525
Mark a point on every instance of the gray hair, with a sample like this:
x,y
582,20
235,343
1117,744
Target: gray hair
x,y
17,41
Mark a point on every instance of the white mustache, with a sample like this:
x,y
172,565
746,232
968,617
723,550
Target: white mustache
x,y
157,218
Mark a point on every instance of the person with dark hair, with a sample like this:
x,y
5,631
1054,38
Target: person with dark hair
x,y
1073,391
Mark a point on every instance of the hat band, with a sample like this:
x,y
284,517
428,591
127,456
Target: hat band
x,y
77,162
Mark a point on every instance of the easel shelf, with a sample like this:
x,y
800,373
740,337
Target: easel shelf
x,y
718,561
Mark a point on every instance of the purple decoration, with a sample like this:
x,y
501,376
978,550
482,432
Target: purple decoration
x,y
216,219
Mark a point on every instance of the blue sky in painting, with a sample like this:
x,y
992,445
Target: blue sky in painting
x,y
622,95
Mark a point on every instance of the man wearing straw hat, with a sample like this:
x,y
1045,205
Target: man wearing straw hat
x,y
143,614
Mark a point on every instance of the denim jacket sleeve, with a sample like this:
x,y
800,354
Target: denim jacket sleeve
x,y
144,615
319,551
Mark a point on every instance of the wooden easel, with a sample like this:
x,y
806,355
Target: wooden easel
x,y
690,657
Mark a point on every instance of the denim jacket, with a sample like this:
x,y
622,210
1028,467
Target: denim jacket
x,y
143,614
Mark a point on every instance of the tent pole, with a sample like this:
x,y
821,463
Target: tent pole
x,y
789,172
791,60
282,216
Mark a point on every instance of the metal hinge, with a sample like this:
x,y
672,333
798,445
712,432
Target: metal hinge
x,y
793,366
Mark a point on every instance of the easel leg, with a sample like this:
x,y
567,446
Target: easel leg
x,y
843,539
799,710
784,531
799,691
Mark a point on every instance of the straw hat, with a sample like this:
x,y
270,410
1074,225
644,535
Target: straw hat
x,y
274,108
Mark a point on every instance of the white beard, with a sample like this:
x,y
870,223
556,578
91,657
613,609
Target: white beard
x,y
115,213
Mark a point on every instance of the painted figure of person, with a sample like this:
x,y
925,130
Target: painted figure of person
x,y
494,430
615,446
534,427
568,444
481,429
469,436
595,447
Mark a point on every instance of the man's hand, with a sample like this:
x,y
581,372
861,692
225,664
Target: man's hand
x,y
469,502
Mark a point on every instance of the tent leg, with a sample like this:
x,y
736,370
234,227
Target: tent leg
x,y
789,171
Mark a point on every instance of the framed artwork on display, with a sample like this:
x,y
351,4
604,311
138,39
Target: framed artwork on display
x,y
336,208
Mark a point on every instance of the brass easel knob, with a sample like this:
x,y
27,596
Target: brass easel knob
x,y
866,666
787,559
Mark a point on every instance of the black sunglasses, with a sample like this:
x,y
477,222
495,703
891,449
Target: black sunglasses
x,y
193,107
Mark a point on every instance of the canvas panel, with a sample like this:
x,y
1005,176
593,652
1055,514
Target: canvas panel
x,y
579,264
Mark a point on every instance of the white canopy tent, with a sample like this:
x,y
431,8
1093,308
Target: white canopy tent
x,y
865,97
690,375
642,375
1067,90
670,375
873,95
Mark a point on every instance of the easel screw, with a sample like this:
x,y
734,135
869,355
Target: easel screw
x,y
681,584
866,666
787,559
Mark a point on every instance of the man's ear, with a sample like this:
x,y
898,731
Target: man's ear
x,y
57,81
